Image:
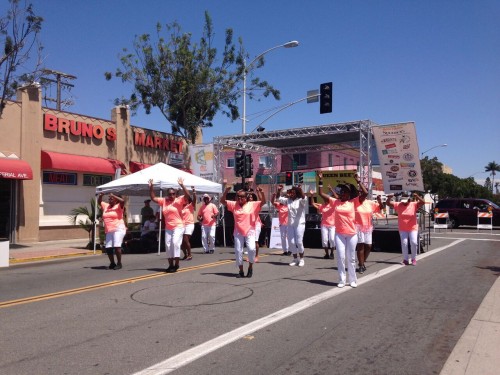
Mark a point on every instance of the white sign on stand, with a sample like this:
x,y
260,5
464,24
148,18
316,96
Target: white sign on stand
x,y
4,254
275,241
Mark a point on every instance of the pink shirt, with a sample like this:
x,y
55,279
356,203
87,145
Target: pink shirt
x,y
172,215
327,215
282,213
206,211
364,214
188,214
113,217
345,217
407,216
244,216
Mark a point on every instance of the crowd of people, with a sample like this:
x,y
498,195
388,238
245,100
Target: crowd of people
x,y
346,224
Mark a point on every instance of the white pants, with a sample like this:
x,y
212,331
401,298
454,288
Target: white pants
x,y
115,239
208,237
241,240
346,252
365,237
327,235
283,235
413,237
295,237
173,241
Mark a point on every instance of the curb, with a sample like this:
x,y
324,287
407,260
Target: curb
x,y
49,257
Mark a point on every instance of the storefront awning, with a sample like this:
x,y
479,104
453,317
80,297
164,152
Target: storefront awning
x,y
78,163
136,166
15,169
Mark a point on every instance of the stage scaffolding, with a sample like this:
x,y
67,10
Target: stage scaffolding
x,y
350,137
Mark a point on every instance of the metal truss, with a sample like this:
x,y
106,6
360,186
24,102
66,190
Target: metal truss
x,y
353,137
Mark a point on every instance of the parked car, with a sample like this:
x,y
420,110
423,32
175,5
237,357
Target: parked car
x,y
463,211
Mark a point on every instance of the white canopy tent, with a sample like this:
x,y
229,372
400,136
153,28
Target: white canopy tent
x,y
164,177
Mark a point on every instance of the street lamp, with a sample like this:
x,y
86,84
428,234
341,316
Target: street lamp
x,y
248,67
432,148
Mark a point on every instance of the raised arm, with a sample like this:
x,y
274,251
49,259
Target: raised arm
x,y
99,199
420,201
311,200
277,194
151,191
180,181
193,195
223,198
380,203
260,195
364,192
325,197
388,202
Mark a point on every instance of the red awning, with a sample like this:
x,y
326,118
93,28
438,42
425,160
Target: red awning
x,y
15,169
136,166
78,163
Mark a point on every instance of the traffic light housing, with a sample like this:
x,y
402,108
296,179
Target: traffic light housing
x,y
300,177
248,166
325,97
289,178
239,163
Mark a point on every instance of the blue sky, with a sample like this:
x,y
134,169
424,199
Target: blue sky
x,y
433,62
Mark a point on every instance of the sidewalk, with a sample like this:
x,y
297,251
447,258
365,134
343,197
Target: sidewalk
x,y
42,251
476,352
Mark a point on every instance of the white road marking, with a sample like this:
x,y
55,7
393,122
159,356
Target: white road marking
x,y
188,356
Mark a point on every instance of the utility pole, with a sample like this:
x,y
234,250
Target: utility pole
x,y
60,83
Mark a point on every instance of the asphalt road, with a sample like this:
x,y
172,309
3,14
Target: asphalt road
x,y
76,317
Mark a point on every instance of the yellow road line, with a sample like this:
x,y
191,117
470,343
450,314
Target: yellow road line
x,y
89,288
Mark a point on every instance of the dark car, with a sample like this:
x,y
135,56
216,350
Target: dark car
x,y
463,211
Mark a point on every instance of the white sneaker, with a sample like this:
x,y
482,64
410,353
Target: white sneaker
x,y
340,285
301,263
295,262
354,285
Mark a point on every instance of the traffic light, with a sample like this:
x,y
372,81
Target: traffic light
x,y
289,178
325,97
239,163
300,177
248,166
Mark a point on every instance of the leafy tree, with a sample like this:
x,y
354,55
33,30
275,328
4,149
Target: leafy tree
x,y
447,185
19,31
185,80
88,221
493,168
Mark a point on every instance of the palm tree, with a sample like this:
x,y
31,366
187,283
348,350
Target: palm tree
x,y
493,168
88,223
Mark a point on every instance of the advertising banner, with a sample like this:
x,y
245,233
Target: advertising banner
x,y
202,160
398,153
334,178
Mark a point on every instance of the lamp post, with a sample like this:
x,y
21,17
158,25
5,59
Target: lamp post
x,y
432,148
247,68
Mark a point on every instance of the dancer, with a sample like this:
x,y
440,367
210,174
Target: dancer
x,y
114,226
283,223
345,227
207,216
245,214
188,219
327,225
364,224
174,226
407,224
296,203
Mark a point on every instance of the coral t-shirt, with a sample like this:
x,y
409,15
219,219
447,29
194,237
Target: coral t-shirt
x,y
327,215
345,217
407,216
364,214
112,217
282,212
172,211
188,214
206,211
244,216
